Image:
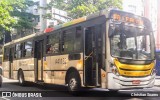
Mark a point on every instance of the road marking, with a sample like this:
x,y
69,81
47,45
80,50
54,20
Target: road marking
x,y
5,98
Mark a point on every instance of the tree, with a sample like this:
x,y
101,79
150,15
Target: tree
x,y
6,20
14,15
79,8
24,19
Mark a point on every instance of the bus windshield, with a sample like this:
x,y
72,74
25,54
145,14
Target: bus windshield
x,y
131,45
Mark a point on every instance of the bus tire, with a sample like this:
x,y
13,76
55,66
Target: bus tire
x,y
21,78
73,82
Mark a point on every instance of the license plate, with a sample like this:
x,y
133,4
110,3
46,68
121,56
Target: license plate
x,y
136,82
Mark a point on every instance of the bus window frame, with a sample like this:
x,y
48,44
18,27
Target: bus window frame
x,y
6,59
23,49
46,42
60,31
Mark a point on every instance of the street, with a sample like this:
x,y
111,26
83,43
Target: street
x,y
54,92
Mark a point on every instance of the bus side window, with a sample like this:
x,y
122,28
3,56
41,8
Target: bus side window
x,y
6,54
52,44
78,39
17,51
21,49
28,49
68,40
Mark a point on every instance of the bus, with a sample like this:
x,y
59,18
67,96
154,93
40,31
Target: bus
x,y
110,49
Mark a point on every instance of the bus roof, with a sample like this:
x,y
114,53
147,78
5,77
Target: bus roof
x,y
82,19
104,12
20,39
94,15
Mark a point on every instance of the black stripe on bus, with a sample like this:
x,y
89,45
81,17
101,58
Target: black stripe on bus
x,y
45,70
134,69
24,70
59,70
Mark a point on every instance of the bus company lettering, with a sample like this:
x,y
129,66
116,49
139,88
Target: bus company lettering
x,y
14,94
34,95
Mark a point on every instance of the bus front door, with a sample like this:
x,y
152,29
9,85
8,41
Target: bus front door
x,y
39,60
92,56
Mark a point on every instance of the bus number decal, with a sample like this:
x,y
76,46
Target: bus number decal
x,y
60,61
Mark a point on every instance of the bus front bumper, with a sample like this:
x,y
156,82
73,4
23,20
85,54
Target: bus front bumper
x,y
121,82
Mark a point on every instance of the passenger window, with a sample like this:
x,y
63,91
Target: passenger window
x,y
68,41
78,39
6,54
53,44
18,52
28,49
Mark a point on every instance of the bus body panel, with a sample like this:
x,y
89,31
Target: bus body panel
x,y
121,82
55,68
27,66
134,70
5,65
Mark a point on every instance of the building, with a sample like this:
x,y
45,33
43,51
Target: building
x,y
57,15
158,26
133,6
151,12
149,9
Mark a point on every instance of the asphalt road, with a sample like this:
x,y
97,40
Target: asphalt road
x,y
55,92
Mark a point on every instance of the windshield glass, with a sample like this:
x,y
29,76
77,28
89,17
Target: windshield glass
x,y
125,45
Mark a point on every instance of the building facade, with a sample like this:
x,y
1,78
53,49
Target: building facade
x,y
149,9
158,26
151,12
56,14
133,6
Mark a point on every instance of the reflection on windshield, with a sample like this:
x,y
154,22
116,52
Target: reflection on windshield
x,y
131,47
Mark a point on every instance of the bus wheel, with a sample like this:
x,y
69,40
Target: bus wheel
x,y
21,78
73,82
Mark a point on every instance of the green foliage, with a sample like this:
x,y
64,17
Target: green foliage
x,y
24,19
5,19
79,8
13,15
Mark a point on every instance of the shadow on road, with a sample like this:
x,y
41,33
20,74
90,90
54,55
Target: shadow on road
x,y
50,90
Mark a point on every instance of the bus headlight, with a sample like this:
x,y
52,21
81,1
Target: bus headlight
x,y
114,69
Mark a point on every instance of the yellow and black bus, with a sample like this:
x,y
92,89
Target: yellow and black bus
x,y
110,49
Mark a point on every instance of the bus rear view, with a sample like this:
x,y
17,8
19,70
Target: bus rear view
x,y
131,60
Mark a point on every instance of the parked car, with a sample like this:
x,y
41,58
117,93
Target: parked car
x,y
158,62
